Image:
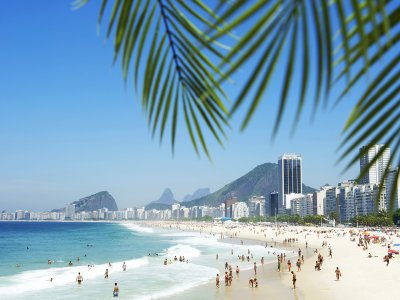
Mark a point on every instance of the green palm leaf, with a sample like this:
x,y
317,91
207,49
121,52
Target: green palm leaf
x,y
174,62
181,64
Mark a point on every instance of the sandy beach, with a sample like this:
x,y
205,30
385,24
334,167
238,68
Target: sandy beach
x,y
362,277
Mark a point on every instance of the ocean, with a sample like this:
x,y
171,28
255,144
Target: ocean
x,y
26,248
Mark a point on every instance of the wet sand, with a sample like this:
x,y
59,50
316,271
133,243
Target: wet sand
x,y
362,277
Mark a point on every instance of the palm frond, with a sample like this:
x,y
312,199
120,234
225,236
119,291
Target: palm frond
x,y
164,43
181,63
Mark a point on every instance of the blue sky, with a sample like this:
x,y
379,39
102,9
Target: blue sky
x,y
70,128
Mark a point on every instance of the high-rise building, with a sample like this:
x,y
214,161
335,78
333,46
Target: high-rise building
x,y
346,207
272,207
257,206
228,205
377,169
289,178
364,199
331,200
302,205
319,200
240,210
69,211
390,185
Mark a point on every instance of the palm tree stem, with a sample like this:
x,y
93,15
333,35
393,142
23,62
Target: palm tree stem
x,y
170,39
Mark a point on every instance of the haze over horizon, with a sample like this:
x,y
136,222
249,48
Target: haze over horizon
x,y
69,128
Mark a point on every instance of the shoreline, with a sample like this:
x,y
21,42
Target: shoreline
x,y
361,275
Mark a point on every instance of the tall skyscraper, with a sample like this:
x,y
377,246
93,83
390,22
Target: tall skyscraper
x,y
289,178
390,185
375,173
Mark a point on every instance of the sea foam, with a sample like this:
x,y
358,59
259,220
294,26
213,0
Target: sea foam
x,y
36,280
137,228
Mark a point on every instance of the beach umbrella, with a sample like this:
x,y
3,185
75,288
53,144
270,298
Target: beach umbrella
x,y
393,251
374,237
396,245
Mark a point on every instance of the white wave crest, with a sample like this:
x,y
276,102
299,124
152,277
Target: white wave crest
x,y
36,280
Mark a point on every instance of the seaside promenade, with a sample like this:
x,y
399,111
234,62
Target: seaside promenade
x,y
363,277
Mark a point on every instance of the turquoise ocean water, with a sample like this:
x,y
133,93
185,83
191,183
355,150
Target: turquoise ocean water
x,y
26,247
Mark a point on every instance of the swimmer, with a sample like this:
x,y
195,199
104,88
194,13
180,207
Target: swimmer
x,y
79,278
116,290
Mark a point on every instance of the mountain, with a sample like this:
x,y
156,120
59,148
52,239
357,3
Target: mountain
x,y
95,202
197,194
167,197
165,201
261,181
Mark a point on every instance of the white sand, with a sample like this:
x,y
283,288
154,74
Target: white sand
x,y
362,277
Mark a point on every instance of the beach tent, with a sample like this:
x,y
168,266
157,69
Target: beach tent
x,y
224,219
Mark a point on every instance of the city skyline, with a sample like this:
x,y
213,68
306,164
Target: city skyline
x,y
69,128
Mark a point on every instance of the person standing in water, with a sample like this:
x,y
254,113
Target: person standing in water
x,y
294,279
106,274
116,290
79,278
338,273
217,281
124,266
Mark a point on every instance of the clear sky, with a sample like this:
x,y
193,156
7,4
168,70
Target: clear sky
x,y
69,127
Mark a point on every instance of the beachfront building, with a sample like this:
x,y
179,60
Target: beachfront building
x,y
377,169
257,206
228,206
346,205
364,199
240,210
5,216
69,211
140,213
288,201
289,179
175,210
20,215
390,185
302,205
319,200
331,201
271,206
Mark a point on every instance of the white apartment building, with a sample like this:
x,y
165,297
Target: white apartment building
x,y
302,205
375,173
240,210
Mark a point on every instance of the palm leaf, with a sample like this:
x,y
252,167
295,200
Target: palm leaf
x,y
174,63
181,64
